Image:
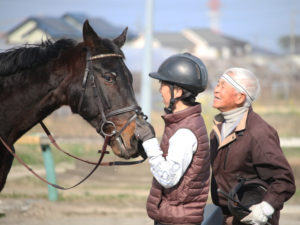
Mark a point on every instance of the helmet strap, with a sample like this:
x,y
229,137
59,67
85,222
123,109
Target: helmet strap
x,y
172,100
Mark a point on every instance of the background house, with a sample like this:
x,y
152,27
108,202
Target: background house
x,y
217,50
211,44
201,42
37,29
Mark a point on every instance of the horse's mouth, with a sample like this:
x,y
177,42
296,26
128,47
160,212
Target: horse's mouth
x,y
119,148
122,150
123,145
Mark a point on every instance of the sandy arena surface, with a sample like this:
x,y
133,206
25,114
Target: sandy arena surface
x,y
111,196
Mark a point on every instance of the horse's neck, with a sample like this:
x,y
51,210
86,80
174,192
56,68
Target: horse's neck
x,y
28,107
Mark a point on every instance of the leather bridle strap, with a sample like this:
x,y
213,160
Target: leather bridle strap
x,y
114,163
106,141
135,108
52,140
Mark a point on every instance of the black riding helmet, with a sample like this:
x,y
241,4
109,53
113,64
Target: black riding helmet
x,y
185,71
245,194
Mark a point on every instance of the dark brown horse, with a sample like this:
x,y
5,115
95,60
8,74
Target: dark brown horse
x,y
90,77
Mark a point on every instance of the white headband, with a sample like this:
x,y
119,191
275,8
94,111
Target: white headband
x,y
237,86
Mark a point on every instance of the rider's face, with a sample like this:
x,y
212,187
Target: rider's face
x,y
165,93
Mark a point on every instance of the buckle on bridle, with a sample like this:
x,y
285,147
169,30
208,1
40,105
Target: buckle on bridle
x,y
107,134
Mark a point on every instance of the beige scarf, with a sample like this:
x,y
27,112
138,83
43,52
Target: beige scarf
x,y
231,120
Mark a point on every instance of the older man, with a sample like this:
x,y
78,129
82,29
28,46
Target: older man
x,y
245,148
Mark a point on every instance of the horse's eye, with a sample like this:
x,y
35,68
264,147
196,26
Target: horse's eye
x,y
110,77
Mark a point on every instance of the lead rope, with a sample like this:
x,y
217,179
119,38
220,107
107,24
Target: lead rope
x,y
107,138
114,163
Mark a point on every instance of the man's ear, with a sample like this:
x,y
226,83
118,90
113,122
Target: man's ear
x,y
240,99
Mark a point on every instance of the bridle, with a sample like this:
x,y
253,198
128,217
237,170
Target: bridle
x,y
102,104
98,92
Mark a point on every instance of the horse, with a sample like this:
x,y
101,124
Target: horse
x,y
90,77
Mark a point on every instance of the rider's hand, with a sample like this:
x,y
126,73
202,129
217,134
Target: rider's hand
x,y
259,215
143,130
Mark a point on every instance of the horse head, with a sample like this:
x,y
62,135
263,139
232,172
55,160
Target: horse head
x,y
105,97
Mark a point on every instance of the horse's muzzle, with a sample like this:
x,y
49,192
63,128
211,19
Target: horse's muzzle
x,y
119,144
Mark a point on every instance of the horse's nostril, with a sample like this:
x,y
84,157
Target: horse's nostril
x,y
132,140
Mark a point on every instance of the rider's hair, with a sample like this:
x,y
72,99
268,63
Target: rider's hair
x,y
188,98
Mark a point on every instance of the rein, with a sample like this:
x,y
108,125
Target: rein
x,y
52,184
113,163
104,122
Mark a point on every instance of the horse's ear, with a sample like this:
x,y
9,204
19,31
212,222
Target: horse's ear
x,y
89,35
121,39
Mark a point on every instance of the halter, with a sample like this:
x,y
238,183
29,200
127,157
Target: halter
x,y
98,92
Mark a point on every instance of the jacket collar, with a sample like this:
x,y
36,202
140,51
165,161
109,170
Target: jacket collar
x,y
180,115
218,121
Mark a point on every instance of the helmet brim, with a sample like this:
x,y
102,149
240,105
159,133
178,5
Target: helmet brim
x,y
157,76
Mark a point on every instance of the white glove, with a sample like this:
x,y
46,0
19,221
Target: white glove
x,y
260,213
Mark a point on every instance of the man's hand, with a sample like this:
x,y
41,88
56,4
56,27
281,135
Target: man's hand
x,y
259,215
143,130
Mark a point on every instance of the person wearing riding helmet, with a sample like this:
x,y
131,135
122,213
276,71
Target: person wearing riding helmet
x,y
180,164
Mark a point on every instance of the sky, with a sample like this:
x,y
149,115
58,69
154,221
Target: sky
x,y
261,22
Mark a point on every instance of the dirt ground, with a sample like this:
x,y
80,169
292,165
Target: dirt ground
x,y
111,196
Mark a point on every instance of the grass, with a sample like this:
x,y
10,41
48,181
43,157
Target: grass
x,y
22,195
297,194
291,152
32,153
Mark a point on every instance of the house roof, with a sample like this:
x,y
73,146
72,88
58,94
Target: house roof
x,y
174,40
55,27
61,28
79,17
100,25
218,40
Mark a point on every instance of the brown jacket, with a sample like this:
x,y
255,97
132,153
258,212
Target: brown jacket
x,y
184,203
252,150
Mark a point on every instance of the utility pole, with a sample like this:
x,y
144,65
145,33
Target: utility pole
x,y
214,14
146,87
292,32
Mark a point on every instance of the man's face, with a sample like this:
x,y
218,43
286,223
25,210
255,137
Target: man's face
x,y
225,96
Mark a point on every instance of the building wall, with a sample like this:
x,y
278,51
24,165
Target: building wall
x,y
37,36
17,36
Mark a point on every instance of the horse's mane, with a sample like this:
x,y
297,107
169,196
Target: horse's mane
x,y
29,56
